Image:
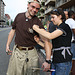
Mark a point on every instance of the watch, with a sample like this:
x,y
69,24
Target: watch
x,y
48,61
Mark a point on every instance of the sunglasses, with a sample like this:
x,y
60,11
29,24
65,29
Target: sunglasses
x,y
56,10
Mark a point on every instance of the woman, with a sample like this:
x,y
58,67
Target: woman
x,y
61,42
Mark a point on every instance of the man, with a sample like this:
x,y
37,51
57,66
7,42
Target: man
x,y
71,22
24,56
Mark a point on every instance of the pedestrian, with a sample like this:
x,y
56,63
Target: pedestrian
x,y
71,22
48,22
24,56
66,14
61,42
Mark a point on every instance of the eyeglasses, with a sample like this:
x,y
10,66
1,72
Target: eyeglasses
x,y
34,7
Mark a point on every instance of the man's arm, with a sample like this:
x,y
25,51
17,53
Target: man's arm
x,y
48,48
73,31
10,37
37,39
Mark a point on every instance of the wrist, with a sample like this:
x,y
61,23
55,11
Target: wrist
x,y
48,61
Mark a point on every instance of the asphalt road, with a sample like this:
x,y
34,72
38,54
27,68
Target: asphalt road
x,y
4,59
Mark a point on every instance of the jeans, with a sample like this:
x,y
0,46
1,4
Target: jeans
x,y
73,50
62,68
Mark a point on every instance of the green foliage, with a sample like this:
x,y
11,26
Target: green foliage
x,y
44,23
7,23
11,22
38,14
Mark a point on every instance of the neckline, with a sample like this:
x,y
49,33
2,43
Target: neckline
x,y
27,17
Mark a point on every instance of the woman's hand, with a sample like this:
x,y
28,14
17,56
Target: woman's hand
x,y
36,39
35,26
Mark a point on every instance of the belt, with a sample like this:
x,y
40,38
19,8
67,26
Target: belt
x,y
24,48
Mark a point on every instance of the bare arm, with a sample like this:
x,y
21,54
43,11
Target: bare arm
x,y
37,39
48,48
10,37
46,34
73,31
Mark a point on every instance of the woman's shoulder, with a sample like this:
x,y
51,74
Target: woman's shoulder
x,y
65,26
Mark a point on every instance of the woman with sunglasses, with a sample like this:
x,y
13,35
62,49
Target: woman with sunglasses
x,y
61,42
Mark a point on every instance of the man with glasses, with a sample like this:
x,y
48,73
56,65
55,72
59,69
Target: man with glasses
x,y
24,56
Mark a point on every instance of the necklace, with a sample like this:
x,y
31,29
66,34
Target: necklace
x,y
27,16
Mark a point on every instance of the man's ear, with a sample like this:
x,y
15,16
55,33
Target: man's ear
x,y
28,5
60,16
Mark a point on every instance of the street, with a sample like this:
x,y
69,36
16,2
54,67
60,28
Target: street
x,y
4,58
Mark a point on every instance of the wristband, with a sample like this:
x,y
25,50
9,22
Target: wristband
x,y
48,61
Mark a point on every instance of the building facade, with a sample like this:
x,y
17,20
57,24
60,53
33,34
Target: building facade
x,y
65,4
2,18
53,4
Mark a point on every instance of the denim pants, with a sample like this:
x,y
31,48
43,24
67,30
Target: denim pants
x,y
62,68
73,50
18,64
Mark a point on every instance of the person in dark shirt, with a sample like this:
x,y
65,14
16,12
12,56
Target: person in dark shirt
x,y
24,56
61,42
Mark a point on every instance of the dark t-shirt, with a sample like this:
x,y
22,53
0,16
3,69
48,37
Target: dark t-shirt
x,y
24,32
62,41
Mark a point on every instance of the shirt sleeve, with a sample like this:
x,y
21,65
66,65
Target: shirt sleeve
x,y
71,23
14,23
40,24
64,28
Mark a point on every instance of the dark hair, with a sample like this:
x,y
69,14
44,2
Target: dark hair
x,y
58,12
70,14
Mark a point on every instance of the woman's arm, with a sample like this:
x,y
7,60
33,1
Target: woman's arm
x,y
46,34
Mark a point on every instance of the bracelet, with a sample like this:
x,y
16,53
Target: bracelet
x,y
48,61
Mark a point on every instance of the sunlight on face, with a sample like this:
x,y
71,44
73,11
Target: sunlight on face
x,y
33,8
54,19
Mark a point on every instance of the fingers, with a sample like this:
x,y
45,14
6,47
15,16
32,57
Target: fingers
x,y
9,52
46,67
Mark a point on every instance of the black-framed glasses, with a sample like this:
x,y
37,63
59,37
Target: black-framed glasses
x,y
34,7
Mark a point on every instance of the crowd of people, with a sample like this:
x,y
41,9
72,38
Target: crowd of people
x,y
29,31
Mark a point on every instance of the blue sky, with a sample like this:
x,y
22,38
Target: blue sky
x,y
13,7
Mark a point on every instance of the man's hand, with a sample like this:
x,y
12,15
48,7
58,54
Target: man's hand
x,y
46,66
8,51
